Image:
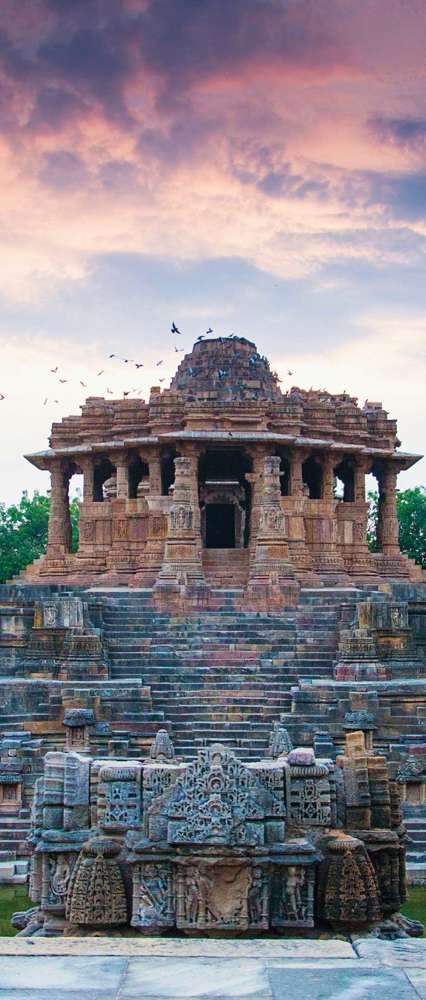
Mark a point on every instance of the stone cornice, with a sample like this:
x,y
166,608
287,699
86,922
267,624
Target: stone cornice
x,y
43,459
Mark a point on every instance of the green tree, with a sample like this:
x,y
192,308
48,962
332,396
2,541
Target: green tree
x,y
23,532
411,511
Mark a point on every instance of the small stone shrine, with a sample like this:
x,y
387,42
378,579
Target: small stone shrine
x,y
214,845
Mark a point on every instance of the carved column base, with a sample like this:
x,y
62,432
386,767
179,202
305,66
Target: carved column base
x,y
272,583
180,583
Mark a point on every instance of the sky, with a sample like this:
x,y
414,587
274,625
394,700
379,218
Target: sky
x,y
254,166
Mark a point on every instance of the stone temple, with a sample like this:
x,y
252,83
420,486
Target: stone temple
x,y
212,715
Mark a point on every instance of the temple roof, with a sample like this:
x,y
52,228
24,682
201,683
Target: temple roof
x,y
225,368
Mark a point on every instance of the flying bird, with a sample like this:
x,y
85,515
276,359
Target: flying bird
x,y
84,384
54,370
140,365
101,372
174,329
161,380
290,373
179,350
159,363
63,380
208,331
45,401
111,391
112,355
2,396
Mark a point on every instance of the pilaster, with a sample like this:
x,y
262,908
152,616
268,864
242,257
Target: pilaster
x,y
271,576
181,580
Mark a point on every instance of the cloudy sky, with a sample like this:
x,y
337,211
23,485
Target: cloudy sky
x,y
258,166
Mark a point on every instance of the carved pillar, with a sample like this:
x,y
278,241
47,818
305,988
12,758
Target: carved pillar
x,y
59,534
122,474
255,478
322,525
360,469
294,507
271,577
154,471
298,456
87,466
181,579
387,528
330,460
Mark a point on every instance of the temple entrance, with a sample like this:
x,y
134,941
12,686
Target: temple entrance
x,y
224,492
220,526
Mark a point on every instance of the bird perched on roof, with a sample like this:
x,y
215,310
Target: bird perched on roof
x,y
201,337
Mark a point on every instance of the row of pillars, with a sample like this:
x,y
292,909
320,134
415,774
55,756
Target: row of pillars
x,y
59,531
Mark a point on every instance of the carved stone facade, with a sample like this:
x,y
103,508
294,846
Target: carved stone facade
x,y
216,845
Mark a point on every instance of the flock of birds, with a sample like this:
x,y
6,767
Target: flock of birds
x,y
127,361
174,329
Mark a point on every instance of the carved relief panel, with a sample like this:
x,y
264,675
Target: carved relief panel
x,y
292,901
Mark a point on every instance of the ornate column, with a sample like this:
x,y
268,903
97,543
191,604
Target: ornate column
x,y
294,507
323,528
271,577
352,524
122,474
330,460
360,471
387,527
180,581
154,462
59,534
255,478
298,456
87,466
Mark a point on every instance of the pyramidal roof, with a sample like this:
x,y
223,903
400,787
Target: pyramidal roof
x,y
225,368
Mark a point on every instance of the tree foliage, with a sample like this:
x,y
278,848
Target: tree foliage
x,y
23,532
411,510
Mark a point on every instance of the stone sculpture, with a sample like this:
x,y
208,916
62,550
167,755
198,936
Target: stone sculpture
x,y
214,844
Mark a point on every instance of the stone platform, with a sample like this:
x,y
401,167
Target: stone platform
x,y
158,969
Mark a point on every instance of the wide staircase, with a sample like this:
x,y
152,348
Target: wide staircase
x,y
217,675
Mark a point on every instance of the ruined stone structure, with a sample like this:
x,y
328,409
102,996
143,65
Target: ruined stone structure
x,y
222,592
215,845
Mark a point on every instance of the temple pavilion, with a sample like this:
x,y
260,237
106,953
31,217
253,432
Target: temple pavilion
x,y
223,486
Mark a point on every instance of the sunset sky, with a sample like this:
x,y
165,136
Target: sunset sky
x,y
257,166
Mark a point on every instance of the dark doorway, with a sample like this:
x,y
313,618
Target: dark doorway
x,y
220,526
